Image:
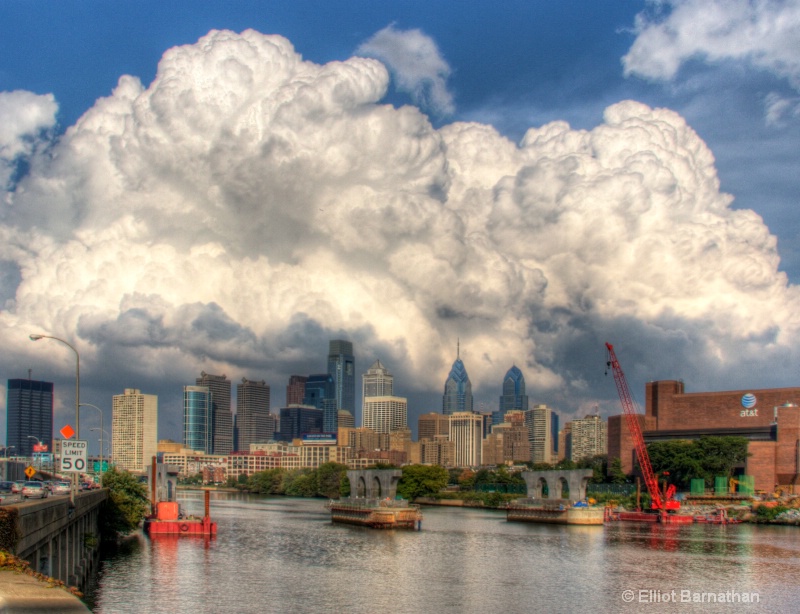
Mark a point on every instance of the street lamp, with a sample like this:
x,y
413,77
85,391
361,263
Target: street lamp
x,y
5,452
101,428
102,432
37,337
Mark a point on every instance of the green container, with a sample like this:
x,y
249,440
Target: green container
x,y
721,485
747,484
698,486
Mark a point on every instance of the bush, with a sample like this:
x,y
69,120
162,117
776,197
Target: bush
x,y
126,506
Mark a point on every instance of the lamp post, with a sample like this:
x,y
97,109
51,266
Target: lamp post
x,y
102,432
5,452
5,468
101,429
37,337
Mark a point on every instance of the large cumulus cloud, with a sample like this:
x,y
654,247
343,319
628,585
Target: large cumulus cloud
x,y
248,205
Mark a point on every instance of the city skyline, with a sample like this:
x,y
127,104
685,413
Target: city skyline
x,y
228,189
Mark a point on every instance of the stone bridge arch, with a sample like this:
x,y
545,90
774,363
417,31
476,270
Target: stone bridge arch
x,y
374,483
575,479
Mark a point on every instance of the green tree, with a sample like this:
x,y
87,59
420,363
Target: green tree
x,y
615,473
126,505
300,483
705,458
329,479
422,481
269,482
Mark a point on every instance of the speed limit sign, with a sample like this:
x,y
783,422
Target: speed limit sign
x,y
74,456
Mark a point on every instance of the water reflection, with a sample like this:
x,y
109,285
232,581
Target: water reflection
x,y
281,554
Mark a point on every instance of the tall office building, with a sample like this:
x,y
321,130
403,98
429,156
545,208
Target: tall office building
x,y
29,413
466,433
134,429
222,418
385,414
321,393
298,420
198,413
589,437
457,389
377,381
554,428
539,421
252,414
342,366
296,390
513,396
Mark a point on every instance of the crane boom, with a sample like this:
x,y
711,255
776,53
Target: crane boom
x,y
632,418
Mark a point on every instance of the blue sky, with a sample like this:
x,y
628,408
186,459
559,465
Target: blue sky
x,y
730,71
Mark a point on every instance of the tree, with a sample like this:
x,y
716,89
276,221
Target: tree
x,y
705,458
329,479
615,473
422,481
269,482
126,505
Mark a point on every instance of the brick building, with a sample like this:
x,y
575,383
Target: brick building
x,y
769,419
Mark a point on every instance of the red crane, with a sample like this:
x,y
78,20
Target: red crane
x,y
658,501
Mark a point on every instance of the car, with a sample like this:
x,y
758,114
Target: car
x,y
61,488
5,487
34,490
17,487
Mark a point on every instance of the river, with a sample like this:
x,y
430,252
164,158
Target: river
x,y
278,554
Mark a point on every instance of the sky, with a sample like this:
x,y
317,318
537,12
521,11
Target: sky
x,y
225,187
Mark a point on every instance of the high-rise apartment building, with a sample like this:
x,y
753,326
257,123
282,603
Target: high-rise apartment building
x,y
385,414
29,413
432,424
457,389
321,393
589,437
540,434
346,420
513,396
252,414
466,433
342,366
134,429
198,416
222,418
296,390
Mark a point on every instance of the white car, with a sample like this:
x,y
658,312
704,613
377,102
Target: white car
x,y
34,490
61,488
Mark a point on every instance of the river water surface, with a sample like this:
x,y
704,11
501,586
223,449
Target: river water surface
x,y
278,554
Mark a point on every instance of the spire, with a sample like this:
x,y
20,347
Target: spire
x,y
458,347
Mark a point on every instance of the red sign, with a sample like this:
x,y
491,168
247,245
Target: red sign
x,y
67,432
40,447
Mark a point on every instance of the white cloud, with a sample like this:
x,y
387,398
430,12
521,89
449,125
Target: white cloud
x,y
247,206
763,33
417,65
25,116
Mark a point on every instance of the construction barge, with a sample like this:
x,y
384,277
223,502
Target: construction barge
x,y
376,514
166,517
530,510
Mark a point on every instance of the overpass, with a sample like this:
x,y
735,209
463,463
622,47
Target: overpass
x,y
56,539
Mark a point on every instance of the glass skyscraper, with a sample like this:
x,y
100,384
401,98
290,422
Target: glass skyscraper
x,y
321,393
29,411
198,419
342,366
222,417
513,396
457,389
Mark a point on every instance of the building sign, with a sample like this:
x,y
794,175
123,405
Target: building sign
x,y
749,404
327,439
40,447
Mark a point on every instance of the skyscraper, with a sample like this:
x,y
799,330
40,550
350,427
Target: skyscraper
x,y
377,381
513,396
29,411
320,392
589,437
222,418
457,389
134,429
252,414
296,390
342,366
198,413
297,421
385,414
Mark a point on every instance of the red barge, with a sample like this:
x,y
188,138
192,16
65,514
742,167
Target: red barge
x,y
167,519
